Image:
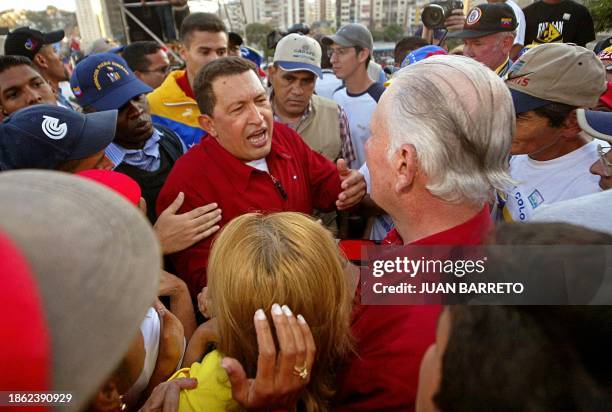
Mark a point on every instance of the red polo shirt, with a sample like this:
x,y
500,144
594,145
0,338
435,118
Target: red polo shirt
x,y
208,173
391,340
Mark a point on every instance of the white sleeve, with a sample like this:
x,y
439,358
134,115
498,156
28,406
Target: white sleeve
x,y
520,18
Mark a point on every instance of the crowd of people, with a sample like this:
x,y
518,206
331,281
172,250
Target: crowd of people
x,y
184,240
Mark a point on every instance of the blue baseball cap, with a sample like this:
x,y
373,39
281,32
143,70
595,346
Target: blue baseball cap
x,y
422,53
105,82
596,124
44,136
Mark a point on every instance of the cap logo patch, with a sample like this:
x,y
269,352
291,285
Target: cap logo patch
x,y
111,74
506,22
52,128
304,52
77,91
474,16
30,44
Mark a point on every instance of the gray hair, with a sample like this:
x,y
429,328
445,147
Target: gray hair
x,y
460,118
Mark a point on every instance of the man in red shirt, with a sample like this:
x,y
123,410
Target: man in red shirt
x,y
441,135
248,162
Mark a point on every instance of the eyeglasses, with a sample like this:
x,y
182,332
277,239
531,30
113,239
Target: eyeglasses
x,y
161,70
603,152
339,51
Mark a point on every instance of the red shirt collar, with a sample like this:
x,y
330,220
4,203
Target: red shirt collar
x,y
471,232
239,172
183,83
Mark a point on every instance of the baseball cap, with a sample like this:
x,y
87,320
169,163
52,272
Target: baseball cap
x,y
298,52
44,136
25,41
105,82
422,53
119,182
486,19
96,262
25,347
596,124
556,73
351,35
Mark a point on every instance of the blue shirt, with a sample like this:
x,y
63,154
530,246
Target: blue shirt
x,y
147,158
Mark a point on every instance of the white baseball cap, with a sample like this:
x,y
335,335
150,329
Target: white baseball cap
x,y
298,52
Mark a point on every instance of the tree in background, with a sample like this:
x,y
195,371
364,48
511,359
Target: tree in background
x,y
256,34
601,11
393,32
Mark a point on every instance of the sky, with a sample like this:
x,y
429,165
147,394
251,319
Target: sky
x,y
68,5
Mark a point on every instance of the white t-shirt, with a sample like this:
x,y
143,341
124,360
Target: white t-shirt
x,y
550,181
520,18
326,86
591,211
359,109
382,223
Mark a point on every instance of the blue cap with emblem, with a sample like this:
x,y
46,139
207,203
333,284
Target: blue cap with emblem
x,y
44,136
105,82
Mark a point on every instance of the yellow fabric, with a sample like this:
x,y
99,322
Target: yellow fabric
x,y
213,393
502,66
170,101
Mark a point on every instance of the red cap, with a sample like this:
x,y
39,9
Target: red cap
x,y
25,355
120,183
606,98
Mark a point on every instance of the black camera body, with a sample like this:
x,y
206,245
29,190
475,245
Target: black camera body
x,y
437,11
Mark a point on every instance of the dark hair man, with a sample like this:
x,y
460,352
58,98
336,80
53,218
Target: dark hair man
x,y
551,157
350,51
248,162
405,46
488,35
149,62
21,85
204,39
554,21
38,47
234,43
142,150
53,137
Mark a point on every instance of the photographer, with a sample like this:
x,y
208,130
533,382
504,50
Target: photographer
x,y
453,19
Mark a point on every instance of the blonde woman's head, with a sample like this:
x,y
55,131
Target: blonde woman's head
x,y
284,258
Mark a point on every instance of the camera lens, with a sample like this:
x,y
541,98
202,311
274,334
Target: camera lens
x,y
433,16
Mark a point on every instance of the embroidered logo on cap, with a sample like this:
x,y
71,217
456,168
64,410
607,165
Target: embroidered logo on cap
x,y
30,44
474,16
77,91
506,22
52,128
112,70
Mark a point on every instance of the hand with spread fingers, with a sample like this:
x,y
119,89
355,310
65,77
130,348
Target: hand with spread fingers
x,y
281,376
177,232
455,21
353,186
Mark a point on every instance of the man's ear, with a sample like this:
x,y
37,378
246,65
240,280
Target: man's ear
x,y
570,126
40,60
183,52
208,124
405,167
363,55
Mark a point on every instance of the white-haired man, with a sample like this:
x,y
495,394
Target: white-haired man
x,y
488,35
439,148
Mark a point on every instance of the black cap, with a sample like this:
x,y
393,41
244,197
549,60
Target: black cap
x,y
485,19
44,136
25,41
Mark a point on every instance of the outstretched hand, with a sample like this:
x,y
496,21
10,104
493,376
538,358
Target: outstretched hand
x,y
353,186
